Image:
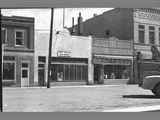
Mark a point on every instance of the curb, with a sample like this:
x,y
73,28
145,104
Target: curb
x,y
136,109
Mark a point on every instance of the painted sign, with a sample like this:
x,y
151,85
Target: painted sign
x,y
63,53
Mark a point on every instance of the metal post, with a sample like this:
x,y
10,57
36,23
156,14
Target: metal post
x,y
1,99
50,49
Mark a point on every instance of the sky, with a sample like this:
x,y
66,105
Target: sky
x,y
42,16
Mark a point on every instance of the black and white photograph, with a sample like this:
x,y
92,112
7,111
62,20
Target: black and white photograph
x,y
80,59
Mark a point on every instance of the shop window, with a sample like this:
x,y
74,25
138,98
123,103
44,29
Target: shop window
x,y
67,72
42,59
78,72
141,32
73,72
151,34
8,71
19,37
85,72
4,35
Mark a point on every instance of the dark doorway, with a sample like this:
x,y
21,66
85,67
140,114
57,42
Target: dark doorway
x,y
41,77
96,73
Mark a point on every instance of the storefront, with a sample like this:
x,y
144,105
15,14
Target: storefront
x,y
70,60
111,67
69,69
18,70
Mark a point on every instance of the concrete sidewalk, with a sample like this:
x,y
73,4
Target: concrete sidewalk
x,y
96,98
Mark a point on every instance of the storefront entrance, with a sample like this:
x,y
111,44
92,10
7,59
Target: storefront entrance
x,y
25,74
111,70
41,77
41,70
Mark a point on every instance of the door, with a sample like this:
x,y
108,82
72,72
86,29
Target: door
x,y
25,75
41,77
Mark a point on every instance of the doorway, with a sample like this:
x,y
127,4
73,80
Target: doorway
x,y
25,74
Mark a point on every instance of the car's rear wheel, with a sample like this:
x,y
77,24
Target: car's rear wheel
x,y
156,90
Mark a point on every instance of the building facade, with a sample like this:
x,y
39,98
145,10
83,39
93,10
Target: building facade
x,y
141,26
71,59
112,60
18,46
78,60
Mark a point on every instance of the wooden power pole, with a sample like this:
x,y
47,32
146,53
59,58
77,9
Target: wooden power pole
x,y
50,49
1,73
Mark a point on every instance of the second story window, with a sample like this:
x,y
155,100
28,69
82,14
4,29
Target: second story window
x,y
19,37
151,34
4,35
141,31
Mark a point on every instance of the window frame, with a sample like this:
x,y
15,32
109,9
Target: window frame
x,y
14,80
152,31
141,30
26,68
5,41
159,35
22,31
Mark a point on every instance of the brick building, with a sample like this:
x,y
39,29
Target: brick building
x,y
18,45
140,26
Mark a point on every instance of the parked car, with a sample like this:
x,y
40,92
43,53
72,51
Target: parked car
x,y
151,83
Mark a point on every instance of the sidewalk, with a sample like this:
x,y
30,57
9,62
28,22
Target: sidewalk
x,y
94,98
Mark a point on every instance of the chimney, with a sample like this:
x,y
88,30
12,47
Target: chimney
x,y
94,15
73,27
80,24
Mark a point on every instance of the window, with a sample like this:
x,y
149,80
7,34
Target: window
x,y
73,72
159,36
19,37
151,34
24,65
141,31
4,35
8,71
42,59
24,73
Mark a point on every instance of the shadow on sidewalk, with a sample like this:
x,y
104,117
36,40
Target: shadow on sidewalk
x,y
142,96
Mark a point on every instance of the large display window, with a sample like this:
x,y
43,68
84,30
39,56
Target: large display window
x,y
69,72
8,71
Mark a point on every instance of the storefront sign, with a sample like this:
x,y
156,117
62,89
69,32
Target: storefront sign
x,y
63,53
100,60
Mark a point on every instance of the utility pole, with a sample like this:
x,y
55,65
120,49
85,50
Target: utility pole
x,y
63,16
1,99
50,49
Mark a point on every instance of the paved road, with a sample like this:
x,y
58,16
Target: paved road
x,y
76,99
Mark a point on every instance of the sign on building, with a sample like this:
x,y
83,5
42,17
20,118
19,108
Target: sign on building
x,y
63,53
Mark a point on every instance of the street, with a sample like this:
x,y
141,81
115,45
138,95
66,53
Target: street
x,y
96,98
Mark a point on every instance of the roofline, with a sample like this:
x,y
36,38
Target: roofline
x,y
18,18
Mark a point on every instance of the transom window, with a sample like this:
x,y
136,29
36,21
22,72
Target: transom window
x,y
141,31
19,37
151,34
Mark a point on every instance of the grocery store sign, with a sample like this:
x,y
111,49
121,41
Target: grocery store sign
x,y
63,53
